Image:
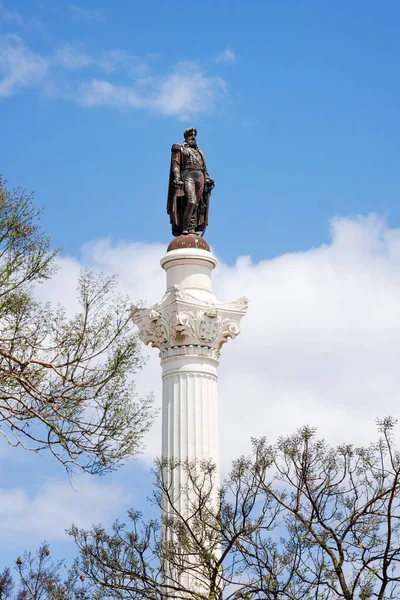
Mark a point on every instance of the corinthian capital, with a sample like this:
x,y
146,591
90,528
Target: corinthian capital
x,y
181,319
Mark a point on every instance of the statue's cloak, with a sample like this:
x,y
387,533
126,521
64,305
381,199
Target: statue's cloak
x,y
177,200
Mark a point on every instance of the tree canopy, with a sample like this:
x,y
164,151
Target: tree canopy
x,y
296,520
65,383
38,577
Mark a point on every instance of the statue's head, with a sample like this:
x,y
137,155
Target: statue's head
x,y
190,136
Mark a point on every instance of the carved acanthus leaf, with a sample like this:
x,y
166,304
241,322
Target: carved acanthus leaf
x,y
242,303
181,323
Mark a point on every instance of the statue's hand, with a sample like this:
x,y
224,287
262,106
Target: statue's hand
x,y
178,182
210,182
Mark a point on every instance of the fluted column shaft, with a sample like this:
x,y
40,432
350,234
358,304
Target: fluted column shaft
x,y
190,411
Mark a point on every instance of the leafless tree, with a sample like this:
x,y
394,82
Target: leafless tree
x,y
65,384
297,520
6,584
39,577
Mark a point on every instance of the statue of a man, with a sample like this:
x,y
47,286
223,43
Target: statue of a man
x,y
189,187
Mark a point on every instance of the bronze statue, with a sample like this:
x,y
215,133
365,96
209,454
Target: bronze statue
x,y
189,187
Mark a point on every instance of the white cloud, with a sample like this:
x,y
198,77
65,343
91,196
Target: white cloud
x,y
72,56
10,15
103,93
85,13
75,56
319,344
19,66
185,90
227,56
111,61
46,514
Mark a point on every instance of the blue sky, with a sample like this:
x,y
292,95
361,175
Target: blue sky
x,y
296,105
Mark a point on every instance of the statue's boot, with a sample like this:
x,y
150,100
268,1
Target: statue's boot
x,y
188,219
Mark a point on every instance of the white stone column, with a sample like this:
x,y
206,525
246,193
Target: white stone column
x,y
189,327
190,412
